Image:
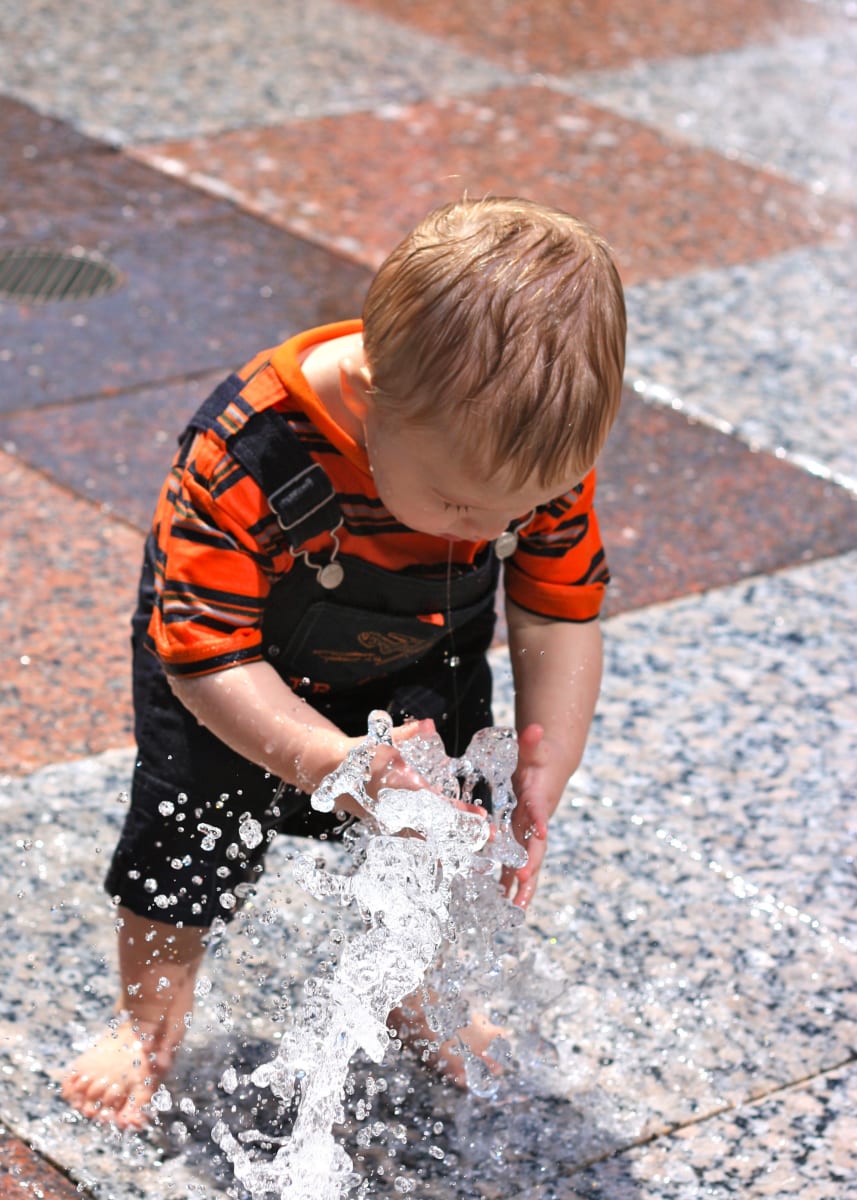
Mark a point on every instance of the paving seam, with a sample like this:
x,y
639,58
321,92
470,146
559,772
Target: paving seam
x,y
670,1131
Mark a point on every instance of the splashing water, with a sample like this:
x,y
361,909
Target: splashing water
x,y
415,893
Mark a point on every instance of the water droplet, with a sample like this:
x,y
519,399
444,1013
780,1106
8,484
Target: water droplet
x,y
162,1101
250,831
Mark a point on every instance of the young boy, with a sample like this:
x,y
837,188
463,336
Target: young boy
x,y
328,542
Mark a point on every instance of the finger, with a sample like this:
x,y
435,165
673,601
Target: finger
x,y
526,891
535,829
518,886
468,807
400,775
529,740
424,727
531,734
538,830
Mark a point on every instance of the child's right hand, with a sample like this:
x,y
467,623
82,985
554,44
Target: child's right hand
x,y
390,770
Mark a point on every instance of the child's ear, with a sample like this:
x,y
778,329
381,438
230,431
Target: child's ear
x,y
355,383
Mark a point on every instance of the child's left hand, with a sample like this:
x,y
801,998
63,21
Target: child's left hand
x,y
538,792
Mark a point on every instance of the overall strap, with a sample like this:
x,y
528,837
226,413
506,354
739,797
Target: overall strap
x,y
297,489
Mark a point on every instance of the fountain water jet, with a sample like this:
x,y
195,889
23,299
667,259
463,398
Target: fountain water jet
x,y
414,893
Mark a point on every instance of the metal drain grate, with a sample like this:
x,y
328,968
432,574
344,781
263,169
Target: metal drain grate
x,y
42,275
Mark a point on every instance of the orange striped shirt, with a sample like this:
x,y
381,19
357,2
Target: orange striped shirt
x,y
219,549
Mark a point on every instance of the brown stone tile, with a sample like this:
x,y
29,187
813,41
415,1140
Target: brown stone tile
x,y
684,508
116,450
24,1173
203,296
29,136
98,198
58,185
556,37
204,285
70,575
667,207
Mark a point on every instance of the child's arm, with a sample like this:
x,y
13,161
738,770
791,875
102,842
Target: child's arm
x,y
557,672
256,713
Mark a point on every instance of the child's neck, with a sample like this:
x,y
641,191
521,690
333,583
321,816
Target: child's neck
x,y
321,367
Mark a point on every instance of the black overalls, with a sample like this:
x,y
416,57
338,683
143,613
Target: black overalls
x,y
348,648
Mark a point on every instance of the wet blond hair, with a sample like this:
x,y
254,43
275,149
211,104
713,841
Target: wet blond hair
x,y
504,322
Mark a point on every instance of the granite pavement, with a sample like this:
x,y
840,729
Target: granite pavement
x,y
687,1029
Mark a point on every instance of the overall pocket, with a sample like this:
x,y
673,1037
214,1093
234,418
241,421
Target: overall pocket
x,y
345,647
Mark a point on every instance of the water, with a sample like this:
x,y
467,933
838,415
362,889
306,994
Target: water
x,y
424,878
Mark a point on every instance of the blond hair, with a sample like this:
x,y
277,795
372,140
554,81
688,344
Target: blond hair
x,y
503,320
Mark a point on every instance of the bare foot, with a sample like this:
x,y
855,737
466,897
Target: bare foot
x,y
411,1025
115,1079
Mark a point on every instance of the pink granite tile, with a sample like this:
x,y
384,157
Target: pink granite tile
x,y
729,521
23,1173
64,623
667,207
556,37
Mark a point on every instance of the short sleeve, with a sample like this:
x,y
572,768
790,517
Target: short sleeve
x,y
218,549
559,569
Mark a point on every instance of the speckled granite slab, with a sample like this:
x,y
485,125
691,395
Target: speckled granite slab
x,y
727,727
685,974
126,72
767,348
797,1144
805,129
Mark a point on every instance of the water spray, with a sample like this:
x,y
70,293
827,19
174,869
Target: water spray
x,y
425,877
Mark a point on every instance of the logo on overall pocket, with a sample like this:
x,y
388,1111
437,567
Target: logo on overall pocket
x,y
379,649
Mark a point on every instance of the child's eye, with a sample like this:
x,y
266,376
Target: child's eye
x,y
459,508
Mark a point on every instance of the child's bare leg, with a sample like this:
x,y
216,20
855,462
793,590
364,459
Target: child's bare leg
x,y
116,1077
410,1021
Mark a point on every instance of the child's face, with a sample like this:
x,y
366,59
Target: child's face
x,y
426,482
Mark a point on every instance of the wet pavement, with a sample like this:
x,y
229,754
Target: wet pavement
x,y
244,171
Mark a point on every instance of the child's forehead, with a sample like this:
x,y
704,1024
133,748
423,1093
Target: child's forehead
x,y
496,492
467,477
